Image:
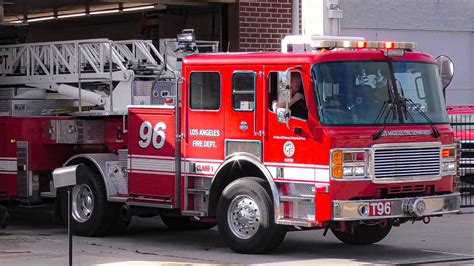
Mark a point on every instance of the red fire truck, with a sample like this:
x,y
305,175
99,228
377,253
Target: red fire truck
x,y
333,133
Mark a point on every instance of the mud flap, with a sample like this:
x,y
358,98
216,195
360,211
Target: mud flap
x,y
322,205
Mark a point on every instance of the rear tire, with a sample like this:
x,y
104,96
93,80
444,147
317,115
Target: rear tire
x,y
364,234
185,223
92,215
246,218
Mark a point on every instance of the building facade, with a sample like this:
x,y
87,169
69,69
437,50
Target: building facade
x,y
439,27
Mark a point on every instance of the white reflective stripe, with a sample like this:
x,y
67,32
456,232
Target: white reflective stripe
x,y
313,166
301,174
8,164
151,172
202,160
297,172
322,175
150,156
167,164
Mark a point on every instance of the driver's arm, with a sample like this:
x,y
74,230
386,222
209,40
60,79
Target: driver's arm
x,y
298,96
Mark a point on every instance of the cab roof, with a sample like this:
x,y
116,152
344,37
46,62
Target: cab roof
x,y
278,58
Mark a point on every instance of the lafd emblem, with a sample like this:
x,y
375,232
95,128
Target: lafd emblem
x,y
289,149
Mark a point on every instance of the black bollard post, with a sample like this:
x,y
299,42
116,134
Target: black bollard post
x,y
69,223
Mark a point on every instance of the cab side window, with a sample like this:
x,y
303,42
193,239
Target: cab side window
x,y
297,103
205,91
243,91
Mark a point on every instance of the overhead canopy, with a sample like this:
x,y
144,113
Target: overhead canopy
x,y
21,10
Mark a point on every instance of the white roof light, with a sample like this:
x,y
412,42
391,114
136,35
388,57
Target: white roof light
x,y
72,15
104,12
40,19
138,8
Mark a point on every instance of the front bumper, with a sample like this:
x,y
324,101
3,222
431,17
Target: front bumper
x,y
415,207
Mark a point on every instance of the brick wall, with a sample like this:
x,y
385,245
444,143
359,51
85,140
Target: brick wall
x,y
263,24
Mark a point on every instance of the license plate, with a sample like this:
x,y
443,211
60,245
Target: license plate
x,y
380,208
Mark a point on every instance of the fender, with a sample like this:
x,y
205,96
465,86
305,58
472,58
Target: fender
x,y
252,159
98,160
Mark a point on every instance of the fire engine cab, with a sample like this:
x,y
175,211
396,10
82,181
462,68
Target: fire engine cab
x,y
332,133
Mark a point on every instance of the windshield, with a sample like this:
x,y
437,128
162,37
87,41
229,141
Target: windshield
x,y
363,93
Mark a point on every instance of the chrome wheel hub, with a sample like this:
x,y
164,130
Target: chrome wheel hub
x,y
82,203
243,217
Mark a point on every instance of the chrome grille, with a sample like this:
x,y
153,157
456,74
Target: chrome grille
x,y
407,162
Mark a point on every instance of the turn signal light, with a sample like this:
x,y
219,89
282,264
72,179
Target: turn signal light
x,y
337,157
337,171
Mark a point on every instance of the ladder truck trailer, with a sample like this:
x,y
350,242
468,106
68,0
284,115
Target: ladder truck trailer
x,y
332,133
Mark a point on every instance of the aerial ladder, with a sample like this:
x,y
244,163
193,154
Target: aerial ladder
x,y
82,77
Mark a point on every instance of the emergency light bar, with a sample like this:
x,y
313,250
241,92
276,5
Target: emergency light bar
x,y
307,43
364,45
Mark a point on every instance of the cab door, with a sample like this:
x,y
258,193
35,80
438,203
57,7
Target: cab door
x,y
289,149
244,119
203,120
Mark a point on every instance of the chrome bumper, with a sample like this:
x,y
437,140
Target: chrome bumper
x,y
352,210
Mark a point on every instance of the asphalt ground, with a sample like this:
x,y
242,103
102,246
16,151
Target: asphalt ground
x,y
33,239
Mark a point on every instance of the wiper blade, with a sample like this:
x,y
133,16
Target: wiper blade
x,y
387,105
415,107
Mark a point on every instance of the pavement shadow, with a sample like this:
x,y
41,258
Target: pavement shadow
x,y
149,236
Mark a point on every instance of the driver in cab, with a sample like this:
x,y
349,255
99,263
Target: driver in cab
x,y
297,103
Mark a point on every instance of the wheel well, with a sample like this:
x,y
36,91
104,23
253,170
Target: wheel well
x,y
85,162
233,171
90,165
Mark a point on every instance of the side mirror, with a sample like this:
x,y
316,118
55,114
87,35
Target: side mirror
x,y
446,70
283,83
283,115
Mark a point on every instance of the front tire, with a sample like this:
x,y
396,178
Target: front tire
x,y
246,218
364,234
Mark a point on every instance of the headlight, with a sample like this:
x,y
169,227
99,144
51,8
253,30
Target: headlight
x,y
449,167
359,170
346,164
448,160
347,171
